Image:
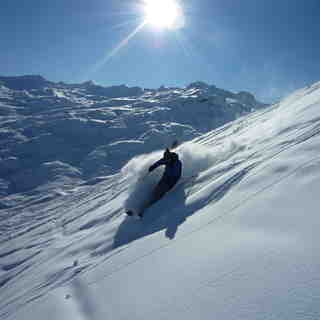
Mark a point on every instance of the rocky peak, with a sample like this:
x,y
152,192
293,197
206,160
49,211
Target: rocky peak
x,y
198,85
27,82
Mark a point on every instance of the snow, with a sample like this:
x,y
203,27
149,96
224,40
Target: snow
x,y
230,100
237,239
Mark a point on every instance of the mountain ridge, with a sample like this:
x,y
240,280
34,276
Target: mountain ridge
x,y
91,130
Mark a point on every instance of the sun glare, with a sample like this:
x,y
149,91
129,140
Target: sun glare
x,y
162,13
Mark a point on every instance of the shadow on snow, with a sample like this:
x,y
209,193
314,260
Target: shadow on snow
x,y
172,211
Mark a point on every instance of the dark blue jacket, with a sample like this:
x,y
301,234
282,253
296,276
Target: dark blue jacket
x,y
173,169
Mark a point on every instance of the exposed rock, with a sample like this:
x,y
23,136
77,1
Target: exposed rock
x,y
198,85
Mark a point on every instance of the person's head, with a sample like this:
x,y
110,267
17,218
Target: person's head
x,y
174,156
170,156
167,154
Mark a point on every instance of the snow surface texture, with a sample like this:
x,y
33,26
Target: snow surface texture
x,y
239,240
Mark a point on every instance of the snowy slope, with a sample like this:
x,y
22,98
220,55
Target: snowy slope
x,y
236,239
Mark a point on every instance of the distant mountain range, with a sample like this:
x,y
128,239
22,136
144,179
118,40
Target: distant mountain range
x,y
58,135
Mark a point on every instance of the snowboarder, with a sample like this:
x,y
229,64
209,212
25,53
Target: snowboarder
x,y
172,174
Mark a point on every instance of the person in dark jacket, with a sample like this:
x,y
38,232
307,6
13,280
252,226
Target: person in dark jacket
x,y
172,174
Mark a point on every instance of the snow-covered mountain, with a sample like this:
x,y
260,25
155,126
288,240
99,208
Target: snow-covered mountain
x,y
54,136
237,238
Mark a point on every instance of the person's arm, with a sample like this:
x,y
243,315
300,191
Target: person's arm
x,y
157,164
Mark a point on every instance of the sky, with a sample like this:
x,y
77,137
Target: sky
x,y
267,47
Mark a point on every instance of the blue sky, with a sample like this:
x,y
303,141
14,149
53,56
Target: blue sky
x,y
267,47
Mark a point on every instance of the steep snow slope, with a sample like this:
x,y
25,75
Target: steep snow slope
x,y
237,239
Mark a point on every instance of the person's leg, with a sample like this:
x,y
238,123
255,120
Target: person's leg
x,y
159,191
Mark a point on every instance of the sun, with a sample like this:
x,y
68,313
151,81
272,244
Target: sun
x,y
162,13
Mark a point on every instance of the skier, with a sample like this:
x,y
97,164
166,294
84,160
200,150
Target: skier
x,y
172,174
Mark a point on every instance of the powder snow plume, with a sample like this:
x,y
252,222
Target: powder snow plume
x,y
196,158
